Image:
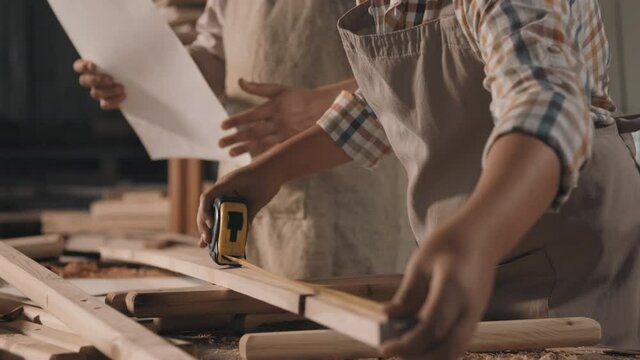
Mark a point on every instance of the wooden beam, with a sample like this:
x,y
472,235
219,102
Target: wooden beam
x,y
190,323
68,341
185,187
39,316
111,332
211,299
29,348
38,247
493,336
357,317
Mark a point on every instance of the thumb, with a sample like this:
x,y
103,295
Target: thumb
x,y
411,294
262,89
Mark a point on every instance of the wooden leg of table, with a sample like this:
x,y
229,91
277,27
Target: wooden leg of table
x,y
193,191
185,186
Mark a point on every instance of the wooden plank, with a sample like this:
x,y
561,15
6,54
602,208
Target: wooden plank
x,y
119,209
185,187
111,332
489,337
38,247
42,317
190,323
213,299
360,318
64,340
33,349
196,262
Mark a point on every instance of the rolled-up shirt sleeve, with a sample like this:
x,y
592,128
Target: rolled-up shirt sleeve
x,y
354,127
209,28
536,74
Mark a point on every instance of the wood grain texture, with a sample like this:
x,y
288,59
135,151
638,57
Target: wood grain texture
x,y
489,337
64,340
205,300
33,349
38,247
111,332
360,318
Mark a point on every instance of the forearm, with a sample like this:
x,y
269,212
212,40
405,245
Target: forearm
x,y
519,182
310,152
212,68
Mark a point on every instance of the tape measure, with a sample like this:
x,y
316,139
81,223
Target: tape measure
x,y
230,228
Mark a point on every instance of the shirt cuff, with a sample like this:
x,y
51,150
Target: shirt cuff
x,y
354,127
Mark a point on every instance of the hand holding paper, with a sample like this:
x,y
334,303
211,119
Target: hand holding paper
x,y
169,104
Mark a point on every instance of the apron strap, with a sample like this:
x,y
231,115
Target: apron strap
x,y
628,123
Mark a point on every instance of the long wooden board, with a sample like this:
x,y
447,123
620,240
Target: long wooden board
x,y
359,318
25,347
491,336
71,342
211,299
111,332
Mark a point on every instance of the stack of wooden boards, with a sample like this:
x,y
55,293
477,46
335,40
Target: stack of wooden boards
x,y
61,321
139,211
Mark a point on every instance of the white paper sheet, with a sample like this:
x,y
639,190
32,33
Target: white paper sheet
x,y
169,104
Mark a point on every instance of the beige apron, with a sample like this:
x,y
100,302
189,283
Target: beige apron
x,y
435,112
344,222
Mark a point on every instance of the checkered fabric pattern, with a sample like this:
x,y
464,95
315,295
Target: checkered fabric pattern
x,y
361,138
546,67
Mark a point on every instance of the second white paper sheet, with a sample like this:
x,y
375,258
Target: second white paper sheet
x,y
169,103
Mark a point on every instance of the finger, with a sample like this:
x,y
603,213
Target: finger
x,y
262,89
252,133
95,80
106,92
84,66
442,310
454,346
412,291
248,117
112,103
247,147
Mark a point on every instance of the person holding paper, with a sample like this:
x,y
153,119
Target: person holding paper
x,y
291,51
523,189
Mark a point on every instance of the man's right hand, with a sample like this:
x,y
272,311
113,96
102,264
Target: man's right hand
x,y
257,183
103,88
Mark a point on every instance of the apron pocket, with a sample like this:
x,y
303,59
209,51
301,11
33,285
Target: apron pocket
x,y
522,288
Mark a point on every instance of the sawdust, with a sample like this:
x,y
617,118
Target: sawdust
x,y
91,269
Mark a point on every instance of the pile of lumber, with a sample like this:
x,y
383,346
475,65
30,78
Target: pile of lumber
x,y
132,211
343,317
182,16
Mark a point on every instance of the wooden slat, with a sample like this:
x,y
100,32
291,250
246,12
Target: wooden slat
x,y
111,332
38,247
30,348
489,337
213,299
185,187
64,340
356,317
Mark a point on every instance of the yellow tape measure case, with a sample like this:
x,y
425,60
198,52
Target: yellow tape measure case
x,y
229,233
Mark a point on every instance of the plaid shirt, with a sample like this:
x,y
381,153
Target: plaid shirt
x,y
545,64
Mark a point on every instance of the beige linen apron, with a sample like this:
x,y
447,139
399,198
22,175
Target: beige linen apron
x,y
344,222
425,85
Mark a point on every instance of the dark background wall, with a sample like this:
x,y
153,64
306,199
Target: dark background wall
x,y
57,148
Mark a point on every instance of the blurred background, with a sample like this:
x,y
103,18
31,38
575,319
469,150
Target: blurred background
x,y
59,151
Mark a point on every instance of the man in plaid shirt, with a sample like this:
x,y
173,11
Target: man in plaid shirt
x,y
520,87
